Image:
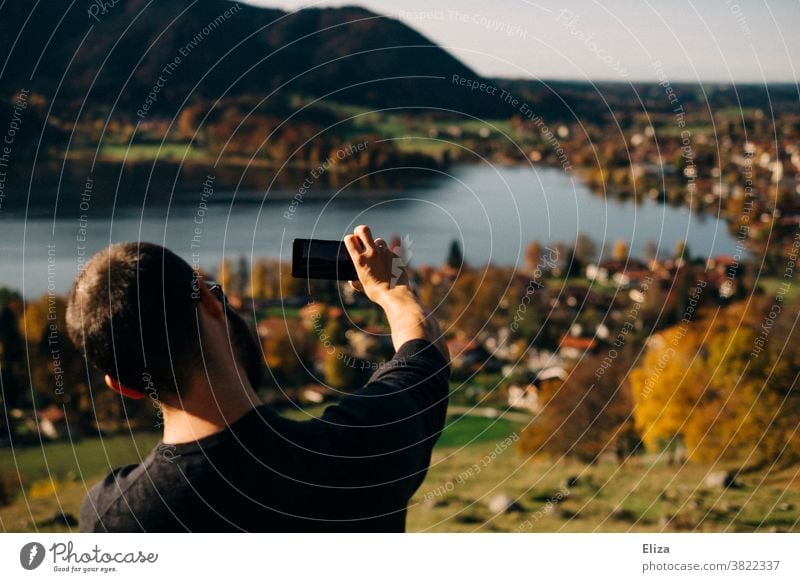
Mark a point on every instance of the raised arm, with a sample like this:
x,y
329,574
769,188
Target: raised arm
x,y
388,287
383,433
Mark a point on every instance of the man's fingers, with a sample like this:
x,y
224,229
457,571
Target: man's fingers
x,y
353,245
355,248
365,235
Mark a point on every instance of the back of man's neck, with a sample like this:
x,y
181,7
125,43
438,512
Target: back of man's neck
x,y
205,412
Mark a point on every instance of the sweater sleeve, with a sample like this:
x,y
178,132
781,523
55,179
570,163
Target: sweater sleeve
x,y
390,425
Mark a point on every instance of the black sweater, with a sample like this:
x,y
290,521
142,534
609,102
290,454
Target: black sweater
x,y
353,469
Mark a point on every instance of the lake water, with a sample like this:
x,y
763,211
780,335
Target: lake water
x,y
493,211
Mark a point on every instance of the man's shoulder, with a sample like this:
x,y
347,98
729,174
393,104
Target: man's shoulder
x,y
118,494
100,497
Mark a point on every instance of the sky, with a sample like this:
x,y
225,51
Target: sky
x,y
624,40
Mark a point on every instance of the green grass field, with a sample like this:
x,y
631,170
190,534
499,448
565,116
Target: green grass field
x,y
476,462
639,496
148,152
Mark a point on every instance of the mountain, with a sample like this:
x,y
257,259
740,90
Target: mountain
x,y
115,53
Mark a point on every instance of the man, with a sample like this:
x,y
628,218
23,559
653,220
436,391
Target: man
x,y
226,462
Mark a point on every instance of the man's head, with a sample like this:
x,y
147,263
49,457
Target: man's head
x,y
142,315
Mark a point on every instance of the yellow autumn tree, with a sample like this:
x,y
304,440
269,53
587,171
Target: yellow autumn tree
x,y
703,384
620,251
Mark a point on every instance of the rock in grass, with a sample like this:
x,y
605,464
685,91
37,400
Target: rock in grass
x,y
502,503
61,519
622,514
677,522
722,480
468,519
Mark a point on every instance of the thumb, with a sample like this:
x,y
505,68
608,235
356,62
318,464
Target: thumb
x,y
357,286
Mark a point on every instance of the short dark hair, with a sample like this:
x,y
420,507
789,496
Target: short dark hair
x,y
133,311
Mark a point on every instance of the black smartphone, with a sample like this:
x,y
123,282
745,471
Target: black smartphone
x,y
322,259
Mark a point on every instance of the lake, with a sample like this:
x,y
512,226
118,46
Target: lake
x,y
494,212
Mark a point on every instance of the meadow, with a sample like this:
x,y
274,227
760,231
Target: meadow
x,y
478,481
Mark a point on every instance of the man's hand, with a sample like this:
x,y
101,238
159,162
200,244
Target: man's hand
x,y
374,263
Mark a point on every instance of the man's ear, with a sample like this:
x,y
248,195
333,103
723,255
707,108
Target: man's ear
x,y
117,386
209,301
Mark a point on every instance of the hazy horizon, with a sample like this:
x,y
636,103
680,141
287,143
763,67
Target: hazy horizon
x,y
702,41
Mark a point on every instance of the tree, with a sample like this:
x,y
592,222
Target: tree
x,y
587,416
620,251
288,350
336,330
651,250
339,375
533,255
706,385
225,275
260,287
682,252
291,286
681,288
585,249
455,257
476,300
559,262
243,277
58,373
